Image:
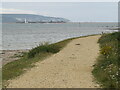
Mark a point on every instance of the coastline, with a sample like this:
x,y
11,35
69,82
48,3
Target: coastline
x,y
12,55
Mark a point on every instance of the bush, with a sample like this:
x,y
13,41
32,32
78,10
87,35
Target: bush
x,y
43,49
107,69
106,50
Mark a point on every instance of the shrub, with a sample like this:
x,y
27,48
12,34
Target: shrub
x,y
107,69
106,50
43,49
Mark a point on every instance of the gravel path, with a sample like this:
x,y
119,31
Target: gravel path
x,y
70,68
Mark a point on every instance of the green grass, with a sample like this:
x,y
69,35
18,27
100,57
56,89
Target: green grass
x,y
107,68
0,78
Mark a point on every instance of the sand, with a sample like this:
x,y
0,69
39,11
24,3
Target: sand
x,y
10,55
70,68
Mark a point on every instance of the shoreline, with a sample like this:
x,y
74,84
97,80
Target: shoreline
x,y
33,46
13,55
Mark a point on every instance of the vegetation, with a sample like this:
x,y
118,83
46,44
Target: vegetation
x,y
44,48
107,68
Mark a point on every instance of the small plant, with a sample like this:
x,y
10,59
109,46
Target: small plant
x,y
106,50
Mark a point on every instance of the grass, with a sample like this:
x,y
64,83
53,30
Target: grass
x,y
0,78
107,68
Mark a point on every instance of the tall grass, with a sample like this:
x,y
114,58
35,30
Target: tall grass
x,y
107,68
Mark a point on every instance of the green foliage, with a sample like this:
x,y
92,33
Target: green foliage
x,y
107,68
43,48
106,50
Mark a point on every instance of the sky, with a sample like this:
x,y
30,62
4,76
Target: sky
x,y
60,0
74,11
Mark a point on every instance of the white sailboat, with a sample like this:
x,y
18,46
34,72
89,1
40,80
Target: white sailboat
x,y
26,21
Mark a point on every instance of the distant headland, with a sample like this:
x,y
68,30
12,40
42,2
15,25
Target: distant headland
x,y
31,18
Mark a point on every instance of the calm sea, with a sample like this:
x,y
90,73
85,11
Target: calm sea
x,y
17,36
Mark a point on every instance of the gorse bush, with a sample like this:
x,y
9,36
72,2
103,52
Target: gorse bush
x,y
106,50
107,68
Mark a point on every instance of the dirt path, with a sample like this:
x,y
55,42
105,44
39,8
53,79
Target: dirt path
x,y
70,68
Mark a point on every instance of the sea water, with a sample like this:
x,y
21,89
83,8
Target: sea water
x,y
16,36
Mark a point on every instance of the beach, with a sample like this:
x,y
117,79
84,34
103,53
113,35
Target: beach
x,y
69,68
11,55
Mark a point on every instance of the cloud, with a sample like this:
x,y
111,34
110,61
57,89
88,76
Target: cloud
x,y
15,11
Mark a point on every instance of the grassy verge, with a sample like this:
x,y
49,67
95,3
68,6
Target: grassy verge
x,y
107,68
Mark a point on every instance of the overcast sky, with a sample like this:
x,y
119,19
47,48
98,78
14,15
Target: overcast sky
x,y
60,0
74,11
